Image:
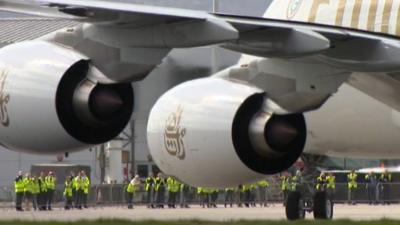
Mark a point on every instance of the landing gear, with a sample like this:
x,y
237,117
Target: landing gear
x,y
295,206
323,206
298,203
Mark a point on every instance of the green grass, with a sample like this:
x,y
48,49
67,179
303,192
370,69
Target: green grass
x,y
123,222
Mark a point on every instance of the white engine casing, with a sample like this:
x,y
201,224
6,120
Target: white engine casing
x,y
190,136
31,75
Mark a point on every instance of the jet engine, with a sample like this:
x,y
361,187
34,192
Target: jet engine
x,y
221,133
49,101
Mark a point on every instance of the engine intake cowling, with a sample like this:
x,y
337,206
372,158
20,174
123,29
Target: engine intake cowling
x,y
54,104
221,133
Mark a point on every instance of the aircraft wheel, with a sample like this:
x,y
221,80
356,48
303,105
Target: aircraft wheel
x,y
323,206
295,206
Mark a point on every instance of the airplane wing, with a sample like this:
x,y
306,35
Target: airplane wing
x,y
115,13
350,49
256,36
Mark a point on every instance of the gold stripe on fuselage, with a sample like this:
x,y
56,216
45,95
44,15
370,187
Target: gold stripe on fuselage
x,y
384,20
373,8
387,11
340,13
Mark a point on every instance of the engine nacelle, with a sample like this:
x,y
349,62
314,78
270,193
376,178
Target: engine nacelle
x,y
219,133
49,103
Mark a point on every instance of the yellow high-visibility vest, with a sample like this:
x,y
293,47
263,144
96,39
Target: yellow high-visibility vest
x,y
68,189
19,185
50,182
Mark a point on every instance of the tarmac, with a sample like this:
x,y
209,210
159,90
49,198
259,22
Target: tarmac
x,y
358,212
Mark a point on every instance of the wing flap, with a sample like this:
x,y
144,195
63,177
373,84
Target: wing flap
x,y
280,42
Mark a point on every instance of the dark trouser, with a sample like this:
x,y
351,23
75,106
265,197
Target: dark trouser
x,y
150,196
241,198
130,200
160,195
385,193
183,200
351,195
229,198
205,199
285,196
214,197
253,196
42,200
74,197
18,200
68,202
35,201
79,199
371,194
171,199
247,197
201,198
331,193
262,196
84,199
49,198
27,199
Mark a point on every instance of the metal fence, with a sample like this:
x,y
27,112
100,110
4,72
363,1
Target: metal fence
x,y
115,194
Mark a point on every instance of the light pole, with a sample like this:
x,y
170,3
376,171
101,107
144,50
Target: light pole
x,y
133,168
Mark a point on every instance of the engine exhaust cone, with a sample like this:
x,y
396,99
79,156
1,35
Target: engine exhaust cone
x,y
105,102
280,134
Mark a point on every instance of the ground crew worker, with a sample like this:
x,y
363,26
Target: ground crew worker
x,y
173,188
42,196
285,187
246,195
321,182
86,187
207,197
384,181
184,195
229,196
149,188
201,196
78,186
295,181
159,188
253,194
176,190
214,197
50,181
262,192
352,186
331,184
68,187
27,190
19,187
72,175
371,184
131,189
35,192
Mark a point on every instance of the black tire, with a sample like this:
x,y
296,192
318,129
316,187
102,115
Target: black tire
x,y
295,206
323,206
